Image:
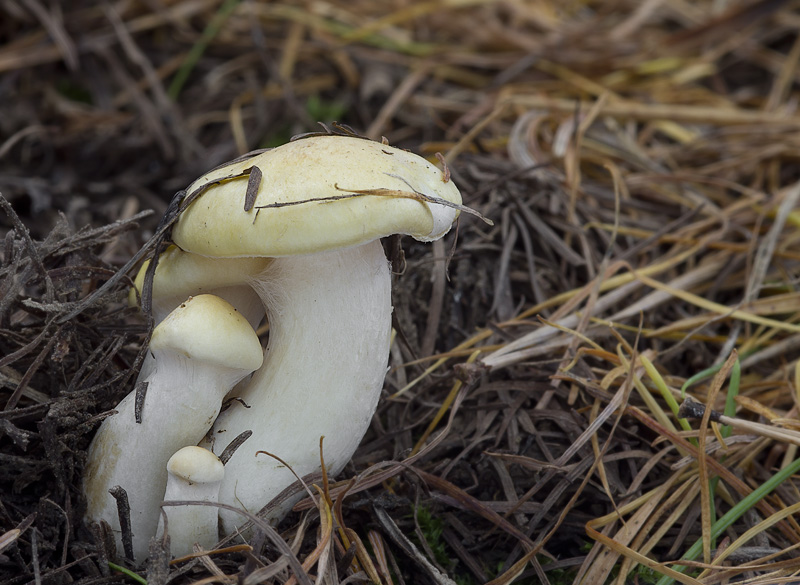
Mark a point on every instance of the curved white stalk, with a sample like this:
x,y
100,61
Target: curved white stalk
x,y
330,321
200,351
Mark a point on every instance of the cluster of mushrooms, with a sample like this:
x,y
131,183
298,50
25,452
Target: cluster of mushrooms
x,y
303,252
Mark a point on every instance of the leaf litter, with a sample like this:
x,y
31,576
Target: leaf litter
x,y
639,162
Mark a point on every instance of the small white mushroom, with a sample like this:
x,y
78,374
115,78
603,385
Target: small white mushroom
x,y
199,352
194,474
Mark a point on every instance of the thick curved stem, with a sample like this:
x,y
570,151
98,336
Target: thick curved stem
x,y
330,322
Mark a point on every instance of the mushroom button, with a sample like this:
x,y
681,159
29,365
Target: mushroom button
x,y
193,474
321,207
199,352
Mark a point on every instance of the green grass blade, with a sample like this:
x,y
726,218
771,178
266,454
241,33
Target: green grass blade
x,y
128,572
734,514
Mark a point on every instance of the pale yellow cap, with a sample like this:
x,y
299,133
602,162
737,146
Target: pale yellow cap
x,y
208,329
305,174
178,271
196,465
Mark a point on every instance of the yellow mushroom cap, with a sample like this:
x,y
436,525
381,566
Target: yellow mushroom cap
x,y
196,465
330,191
208,329
178,272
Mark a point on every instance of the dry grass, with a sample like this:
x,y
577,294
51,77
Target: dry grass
x,y
639,160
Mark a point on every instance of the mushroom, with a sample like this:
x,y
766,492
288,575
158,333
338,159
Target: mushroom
x,y
322,204
193,474
180,272
199,352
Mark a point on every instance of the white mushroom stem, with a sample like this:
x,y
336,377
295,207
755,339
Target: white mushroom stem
x,y
200,351
193,474
330,321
